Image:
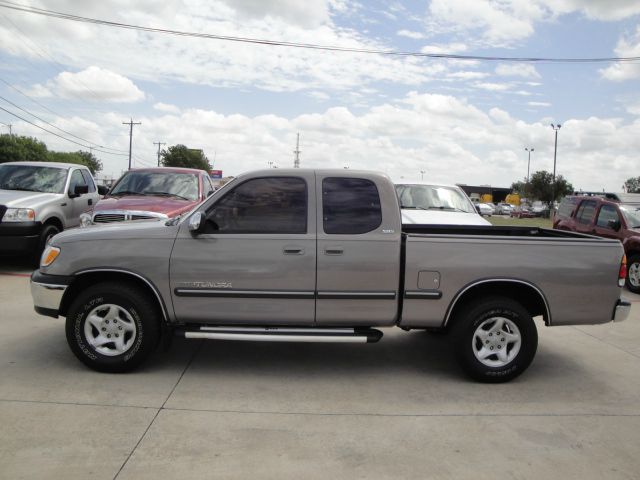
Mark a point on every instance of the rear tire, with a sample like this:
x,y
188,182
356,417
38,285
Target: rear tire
x,y
633,274
112,327
495,339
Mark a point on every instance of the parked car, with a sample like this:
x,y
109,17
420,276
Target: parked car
x,y
540,209
322,256
522,212
605,218
39,200
432,204
151,193
485,209
503,208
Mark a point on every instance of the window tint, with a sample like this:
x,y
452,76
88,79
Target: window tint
x,y
350,206
261,205
607,213
89,180
566,207
76,179
586,212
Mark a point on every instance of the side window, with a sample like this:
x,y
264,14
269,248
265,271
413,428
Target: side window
x,y
350,206
566,207
607,213
586,212
76,179
89,180
261,205
206,186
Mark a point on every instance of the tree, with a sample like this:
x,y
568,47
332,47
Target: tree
x,y
79,157
181,156
520,188
541,186
14,148
632,185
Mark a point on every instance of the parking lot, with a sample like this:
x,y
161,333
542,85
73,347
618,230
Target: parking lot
x,y
397,409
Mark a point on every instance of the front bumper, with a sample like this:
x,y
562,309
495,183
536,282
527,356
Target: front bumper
x,y
47,292
621,310
19,237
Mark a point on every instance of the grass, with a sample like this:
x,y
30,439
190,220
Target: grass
x,y
521,222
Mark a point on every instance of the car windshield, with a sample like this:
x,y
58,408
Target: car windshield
x,y
433,197
31,178
169,184
631,215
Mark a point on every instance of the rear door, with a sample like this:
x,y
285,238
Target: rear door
x,y
255,263
585,216
359,232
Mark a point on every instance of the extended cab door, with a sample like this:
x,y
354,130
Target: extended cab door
x,y
359,238
255,261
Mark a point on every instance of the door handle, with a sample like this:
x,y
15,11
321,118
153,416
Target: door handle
x,y
333,251
293,251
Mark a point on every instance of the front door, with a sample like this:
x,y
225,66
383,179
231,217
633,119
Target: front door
x,y
255,261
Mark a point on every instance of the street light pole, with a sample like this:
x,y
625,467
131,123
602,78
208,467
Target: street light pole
x,y
555,152
422,172
528,168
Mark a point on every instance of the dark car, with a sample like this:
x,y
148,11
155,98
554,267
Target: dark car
x,y
609,218
148,193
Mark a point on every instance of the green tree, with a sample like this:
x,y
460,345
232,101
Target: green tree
x,y
632,185
79,157
541,185
14,148
520,188
181,156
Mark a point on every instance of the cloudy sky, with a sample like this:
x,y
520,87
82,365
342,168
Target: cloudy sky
x,y
459,121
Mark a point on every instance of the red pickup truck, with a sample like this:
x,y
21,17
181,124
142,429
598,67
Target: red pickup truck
x,y
610,216
163,192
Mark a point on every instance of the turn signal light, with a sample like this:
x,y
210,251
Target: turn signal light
x,y
49,255
622,274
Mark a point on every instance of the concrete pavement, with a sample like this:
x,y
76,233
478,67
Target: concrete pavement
x,y
397,409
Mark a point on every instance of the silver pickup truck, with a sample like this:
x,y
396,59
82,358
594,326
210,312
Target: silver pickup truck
x,y
322,256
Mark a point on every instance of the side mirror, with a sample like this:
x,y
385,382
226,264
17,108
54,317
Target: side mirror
x,y
103,190
79,190
196,223
614,225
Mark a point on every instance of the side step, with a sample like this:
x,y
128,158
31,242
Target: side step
x,y
285,334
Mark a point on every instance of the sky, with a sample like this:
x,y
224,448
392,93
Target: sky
x,y
441,120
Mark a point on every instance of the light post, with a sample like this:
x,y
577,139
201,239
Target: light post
x,y
422,172
526,188
555,152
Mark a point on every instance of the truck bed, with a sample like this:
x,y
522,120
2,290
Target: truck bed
x,y
490,230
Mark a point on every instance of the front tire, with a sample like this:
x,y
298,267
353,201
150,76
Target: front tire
x,y
48,231
633,274
495,339
112,327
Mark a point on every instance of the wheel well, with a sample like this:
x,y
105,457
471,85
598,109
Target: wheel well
x,y
526,295
86,280
55,221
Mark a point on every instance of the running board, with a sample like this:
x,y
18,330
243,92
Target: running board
x,y
285,334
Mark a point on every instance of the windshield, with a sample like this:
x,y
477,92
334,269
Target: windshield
x,y
32,178
433,197
631,215
170,184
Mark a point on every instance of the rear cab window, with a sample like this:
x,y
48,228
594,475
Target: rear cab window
x,y
350,206
586,212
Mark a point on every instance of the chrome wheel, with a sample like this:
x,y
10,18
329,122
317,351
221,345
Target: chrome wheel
x,y
634,274
110,330
496,342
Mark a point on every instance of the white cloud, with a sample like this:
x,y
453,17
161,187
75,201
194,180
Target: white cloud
x,y
444,48
539,104
517,70
93,83
410,34
166,107
628,46
308,14
493,87
468,75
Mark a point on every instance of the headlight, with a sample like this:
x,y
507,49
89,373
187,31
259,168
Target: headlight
x,y
85,220
19,215
49,255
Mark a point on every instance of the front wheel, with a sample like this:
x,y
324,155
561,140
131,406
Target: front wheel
x,y
495,339
633,274
112,327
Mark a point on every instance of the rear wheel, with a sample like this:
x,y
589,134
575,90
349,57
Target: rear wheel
x,y
633,274
495,339
112,327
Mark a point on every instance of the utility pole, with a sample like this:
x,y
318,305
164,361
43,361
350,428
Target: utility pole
x,y
526,187
10,131
159,143
422,172
296,161
555,152
131,123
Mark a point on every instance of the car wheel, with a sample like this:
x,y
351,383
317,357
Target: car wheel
x,y
48,231
112,327
495,339
633,274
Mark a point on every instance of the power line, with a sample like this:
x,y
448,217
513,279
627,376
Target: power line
x,y
310,46
57,135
